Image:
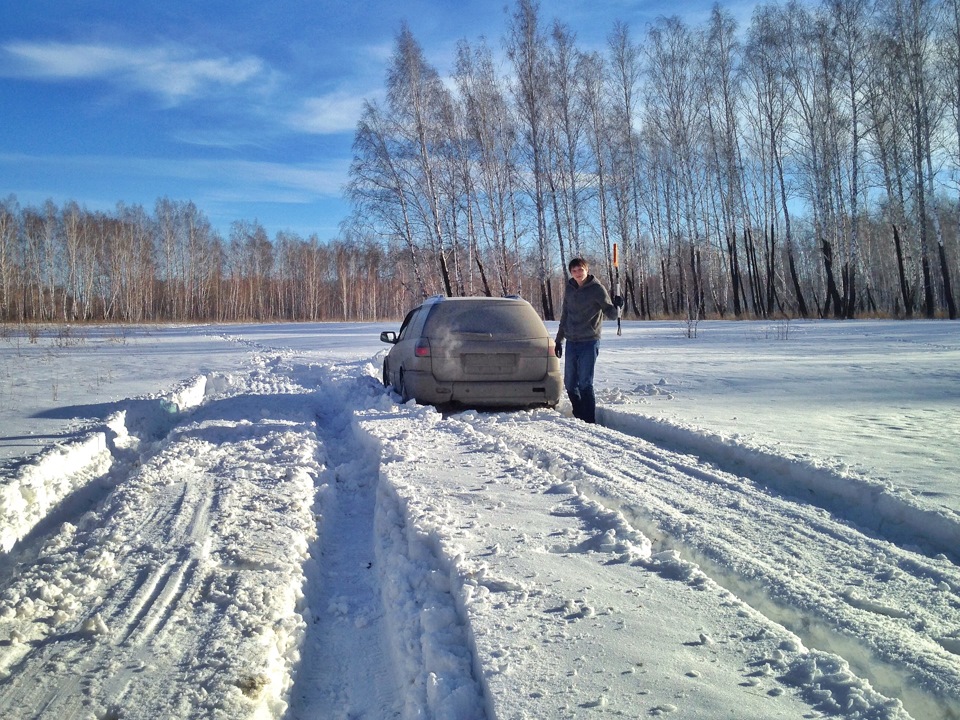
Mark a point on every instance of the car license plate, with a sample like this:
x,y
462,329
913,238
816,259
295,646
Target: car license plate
x,y
489,363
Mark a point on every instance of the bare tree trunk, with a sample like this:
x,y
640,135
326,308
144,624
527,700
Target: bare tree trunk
x,y
905,291
833,294
736,282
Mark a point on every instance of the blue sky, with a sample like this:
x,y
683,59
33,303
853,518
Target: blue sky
x,y
246,108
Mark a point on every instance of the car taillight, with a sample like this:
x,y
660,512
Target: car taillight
x,y
422,348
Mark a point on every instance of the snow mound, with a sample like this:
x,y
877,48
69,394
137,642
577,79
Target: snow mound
x,y
872,504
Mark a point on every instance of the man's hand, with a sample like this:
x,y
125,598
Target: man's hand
x,y
617,301
558,350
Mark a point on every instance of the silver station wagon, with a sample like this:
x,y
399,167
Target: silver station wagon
x,y
474,352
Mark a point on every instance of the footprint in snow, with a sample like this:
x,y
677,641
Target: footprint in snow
x,y
664,709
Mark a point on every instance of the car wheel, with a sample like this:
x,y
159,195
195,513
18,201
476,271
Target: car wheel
x,y
386,374
402,388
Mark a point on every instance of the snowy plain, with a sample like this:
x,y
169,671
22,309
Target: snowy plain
x,y
241,522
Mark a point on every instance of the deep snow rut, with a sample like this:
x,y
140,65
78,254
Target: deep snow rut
x,y
374,595
346,669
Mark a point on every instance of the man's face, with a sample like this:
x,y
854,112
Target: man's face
x,y
579,273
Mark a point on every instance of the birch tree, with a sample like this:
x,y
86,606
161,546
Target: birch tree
x,y
674,115
771,112
420,106
591,90
526,48
625,73
9,231
722,109
912,23
809,66
378,187
490,127
565,145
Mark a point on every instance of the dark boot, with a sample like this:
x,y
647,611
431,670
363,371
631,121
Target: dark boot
x,y
577,404
588,405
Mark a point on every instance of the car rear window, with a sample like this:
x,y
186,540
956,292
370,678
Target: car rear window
x,y
509,318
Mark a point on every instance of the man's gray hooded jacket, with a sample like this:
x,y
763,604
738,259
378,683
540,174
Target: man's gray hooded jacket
x,y
583,311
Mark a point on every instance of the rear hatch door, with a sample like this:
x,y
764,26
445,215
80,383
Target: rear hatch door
x,y
496,340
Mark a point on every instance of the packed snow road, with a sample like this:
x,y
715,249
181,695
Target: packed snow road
x,y
290,542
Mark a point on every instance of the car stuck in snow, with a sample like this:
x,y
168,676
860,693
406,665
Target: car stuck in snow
x,y
475,352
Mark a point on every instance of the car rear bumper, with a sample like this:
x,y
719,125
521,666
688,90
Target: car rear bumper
x,y
426,389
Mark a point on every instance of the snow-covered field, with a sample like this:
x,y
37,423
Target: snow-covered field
x,y
241,522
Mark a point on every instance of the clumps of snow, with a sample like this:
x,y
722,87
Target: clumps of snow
x,y
657,389
669,564
563,488
664,709
875,606
827,682
950,643
614,535
188,394
95,625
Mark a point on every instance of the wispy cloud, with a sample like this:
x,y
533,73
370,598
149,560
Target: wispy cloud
x,y
333,113
172,72
244,178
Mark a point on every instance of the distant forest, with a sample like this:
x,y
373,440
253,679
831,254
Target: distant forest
x,y
806,165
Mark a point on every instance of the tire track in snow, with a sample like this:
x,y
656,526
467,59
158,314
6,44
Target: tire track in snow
x,y
160,596
872,505
178,595
816,574
347,670
382,627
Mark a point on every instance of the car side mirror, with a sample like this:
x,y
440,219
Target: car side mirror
x,y
388,336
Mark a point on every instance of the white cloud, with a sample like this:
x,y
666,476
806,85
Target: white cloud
x,y
333,113
249,179
174,73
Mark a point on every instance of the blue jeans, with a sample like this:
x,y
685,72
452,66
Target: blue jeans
x,y
580,360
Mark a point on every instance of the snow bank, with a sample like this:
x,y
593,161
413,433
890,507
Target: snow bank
x,y
41,483
38,485
432,645
873,505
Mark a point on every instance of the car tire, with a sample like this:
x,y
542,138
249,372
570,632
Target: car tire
x,y
386,374
402,388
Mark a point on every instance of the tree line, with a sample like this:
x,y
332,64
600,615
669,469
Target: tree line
x,y
805,165
68,264
802,166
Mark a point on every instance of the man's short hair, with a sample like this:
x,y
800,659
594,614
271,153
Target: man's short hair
x,y
577,262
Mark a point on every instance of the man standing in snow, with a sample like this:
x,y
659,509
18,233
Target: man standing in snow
x,y
585,304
